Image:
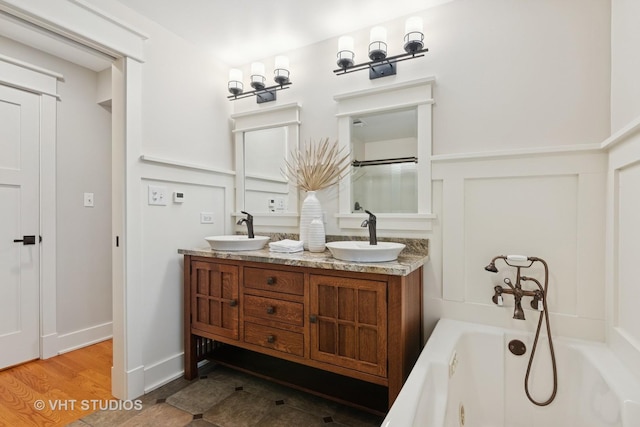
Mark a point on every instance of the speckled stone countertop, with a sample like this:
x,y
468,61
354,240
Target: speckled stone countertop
x,y
411,258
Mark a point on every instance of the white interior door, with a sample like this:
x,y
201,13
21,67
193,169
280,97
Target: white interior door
x,y
19,220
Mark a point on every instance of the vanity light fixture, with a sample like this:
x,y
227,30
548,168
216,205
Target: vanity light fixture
x,y
262,92
381,65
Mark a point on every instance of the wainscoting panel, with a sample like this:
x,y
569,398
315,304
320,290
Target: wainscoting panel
x,y
165,229
548,205
623,249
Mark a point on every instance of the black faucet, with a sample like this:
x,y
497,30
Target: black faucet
x,y
249,221
371,223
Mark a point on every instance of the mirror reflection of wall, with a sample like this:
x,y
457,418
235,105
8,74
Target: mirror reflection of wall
x,y
266,190
384,148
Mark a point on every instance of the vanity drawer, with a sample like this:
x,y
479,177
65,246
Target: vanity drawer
x,y
287,282
274,309
277,339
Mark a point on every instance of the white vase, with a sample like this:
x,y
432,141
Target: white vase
x,y
310,209
316,235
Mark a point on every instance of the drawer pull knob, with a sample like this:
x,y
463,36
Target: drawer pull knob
x,y
271,339
271,280
271,310
233,302
313,318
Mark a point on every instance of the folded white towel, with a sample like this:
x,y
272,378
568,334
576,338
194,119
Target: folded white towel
x,y
286,251
286,245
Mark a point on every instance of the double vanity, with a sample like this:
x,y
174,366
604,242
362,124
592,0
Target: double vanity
x,y
349,331
345,324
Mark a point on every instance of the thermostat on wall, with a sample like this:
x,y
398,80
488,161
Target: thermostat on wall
x,y
178,197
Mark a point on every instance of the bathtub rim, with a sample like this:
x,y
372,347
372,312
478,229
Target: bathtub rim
x,y
439,347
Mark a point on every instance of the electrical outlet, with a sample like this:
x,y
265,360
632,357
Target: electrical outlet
x,y
206,218
280,204
157,195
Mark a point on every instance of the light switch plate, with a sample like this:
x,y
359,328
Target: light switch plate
x,y
88,200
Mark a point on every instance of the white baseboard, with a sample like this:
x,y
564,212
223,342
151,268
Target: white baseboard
x,y
84,337
127,385
163,372
49,346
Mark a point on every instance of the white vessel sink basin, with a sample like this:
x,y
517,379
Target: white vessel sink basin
x,y
364,252
236,243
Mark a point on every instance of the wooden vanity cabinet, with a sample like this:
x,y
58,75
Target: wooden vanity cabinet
x,y
358,325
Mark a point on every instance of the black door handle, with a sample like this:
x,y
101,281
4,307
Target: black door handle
x,y
26,240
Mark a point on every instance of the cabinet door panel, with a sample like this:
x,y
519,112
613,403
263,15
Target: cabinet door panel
x,y
350,328
215,298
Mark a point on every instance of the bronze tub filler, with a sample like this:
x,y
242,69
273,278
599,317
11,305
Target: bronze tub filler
x,y
538,302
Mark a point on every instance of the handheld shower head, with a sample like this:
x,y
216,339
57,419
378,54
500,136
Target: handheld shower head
x,y
491,267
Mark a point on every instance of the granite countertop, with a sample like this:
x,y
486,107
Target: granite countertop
x,y
405,264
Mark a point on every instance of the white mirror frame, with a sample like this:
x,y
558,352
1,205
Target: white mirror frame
x,y
282,115
414,93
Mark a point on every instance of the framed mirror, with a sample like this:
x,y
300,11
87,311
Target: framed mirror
x,y
263,139
384,148
387,129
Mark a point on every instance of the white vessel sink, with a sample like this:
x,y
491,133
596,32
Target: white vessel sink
x,y
364,252
236,243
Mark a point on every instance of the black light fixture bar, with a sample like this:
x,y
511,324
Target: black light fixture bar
x,y
361,163
382,68
262,95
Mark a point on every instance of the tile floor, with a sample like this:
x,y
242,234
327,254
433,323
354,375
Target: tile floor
x,y
222,397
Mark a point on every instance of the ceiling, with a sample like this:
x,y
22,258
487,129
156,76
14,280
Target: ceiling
x,y
240,31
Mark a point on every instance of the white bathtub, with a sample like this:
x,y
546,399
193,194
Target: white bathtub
x,y
468,368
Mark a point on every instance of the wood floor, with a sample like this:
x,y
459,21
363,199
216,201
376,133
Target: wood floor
x,y
56,391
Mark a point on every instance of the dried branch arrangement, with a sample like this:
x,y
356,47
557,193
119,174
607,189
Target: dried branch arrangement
x,y
318,166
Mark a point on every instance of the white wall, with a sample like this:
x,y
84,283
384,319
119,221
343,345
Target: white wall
x,y
529,76
625,63
185,111
164,230
186,144
509,75
83,163
623,249
623,203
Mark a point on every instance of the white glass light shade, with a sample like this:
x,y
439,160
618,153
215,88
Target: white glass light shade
x,y
281,70
281,62
345,52
413,25
378,34
257,68
378,45
235,75
413,35
345,43
235,81
257,75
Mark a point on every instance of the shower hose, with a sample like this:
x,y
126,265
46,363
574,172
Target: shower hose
x,y
545,314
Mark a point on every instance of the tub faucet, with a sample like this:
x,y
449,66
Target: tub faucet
x,y
249,221
515,289
371,223
538,302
